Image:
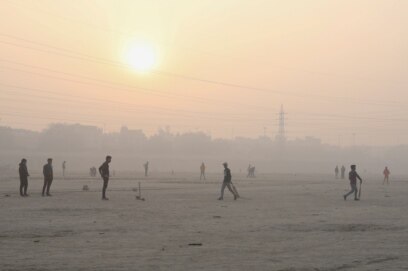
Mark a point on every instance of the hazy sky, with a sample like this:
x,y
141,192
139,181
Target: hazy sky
x,y
224,67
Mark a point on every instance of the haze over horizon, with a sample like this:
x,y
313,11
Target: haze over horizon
x,y
339,68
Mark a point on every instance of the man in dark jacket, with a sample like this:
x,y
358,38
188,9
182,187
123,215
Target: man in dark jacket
x,y
48,177
104,171
227,182
23,172
353,176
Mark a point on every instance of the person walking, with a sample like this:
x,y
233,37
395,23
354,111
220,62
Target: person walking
x,y
23,172
386,173
104,171
48,177
353,176
227,182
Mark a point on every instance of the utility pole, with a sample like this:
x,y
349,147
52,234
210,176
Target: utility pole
x,y
281,133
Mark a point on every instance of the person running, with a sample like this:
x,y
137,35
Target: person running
x,y
343,172
202,169
386,173
104,171
146,168
336,172
353,176
23,172
48,177
63,169
227,182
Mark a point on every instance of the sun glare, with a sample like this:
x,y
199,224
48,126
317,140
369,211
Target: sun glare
x,y
141,57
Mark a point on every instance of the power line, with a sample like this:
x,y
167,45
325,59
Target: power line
x,y
85,57
126,112
98,100
192,49
124,87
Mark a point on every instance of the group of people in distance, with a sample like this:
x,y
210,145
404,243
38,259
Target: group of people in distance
x,y
105,174
227,182
48,173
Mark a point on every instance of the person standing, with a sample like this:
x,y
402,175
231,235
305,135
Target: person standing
x,y
48,177
343,172
92,171
23,172
353,176
227,182
253,172
63,169
146,168
104,171
386,173
202,169
336,172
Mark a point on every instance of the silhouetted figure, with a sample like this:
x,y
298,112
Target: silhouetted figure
x,y
92,171
146,168
23,172
63,169
343,172
253,172
353,176
202,169
249,171
386,173
48,177
227,182
336,172
104,171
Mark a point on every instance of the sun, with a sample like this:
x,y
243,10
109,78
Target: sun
x,y
141,56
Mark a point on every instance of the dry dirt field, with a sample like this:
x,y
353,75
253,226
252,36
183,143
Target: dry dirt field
x,y
282,222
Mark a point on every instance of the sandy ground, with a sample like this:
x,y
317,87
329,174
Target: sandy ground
x,y
283,222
